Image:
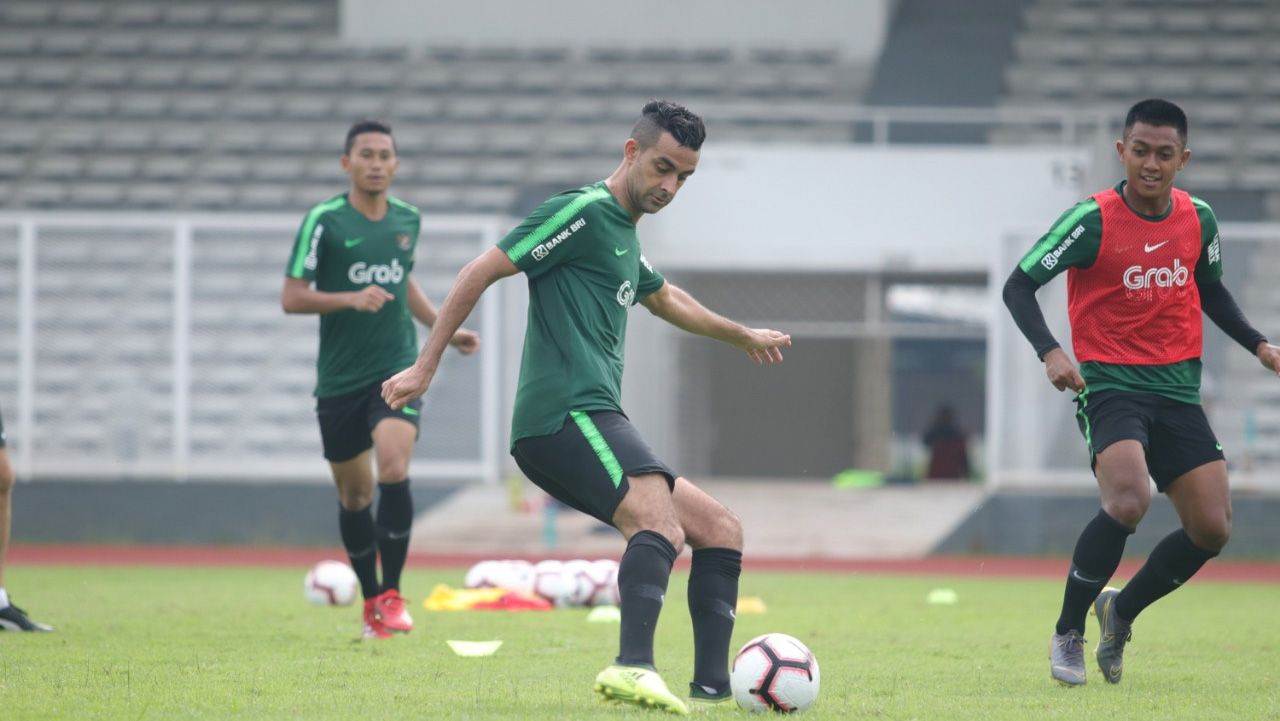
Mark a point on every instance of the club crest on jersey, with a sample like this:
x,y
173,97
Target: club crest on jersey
x,y
626,294
1138,278
403,240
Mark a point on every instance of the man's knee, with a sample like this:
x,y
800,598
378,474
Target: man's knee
x,y
721,530
6,476
1211,534
393,470
1128,509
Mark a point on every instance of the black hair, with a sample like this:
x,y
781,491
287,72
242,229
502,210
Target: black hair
x,y
663,115
1160,113
367,126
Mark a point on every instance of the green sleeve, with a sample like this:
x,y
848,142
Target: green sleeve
x,y
1209,267
307,246
1073,241
551,234
650,280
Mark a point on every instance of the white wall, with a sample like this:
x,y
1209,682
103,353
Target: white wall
x,y
856,28
851,208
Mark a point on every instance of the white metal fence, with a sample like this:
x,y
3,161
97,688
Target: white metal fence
x,y
156,347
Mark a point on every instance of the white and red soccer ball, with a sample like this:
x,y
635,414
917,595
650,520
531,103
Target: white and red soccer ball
x,y
564,583
775,672
331,583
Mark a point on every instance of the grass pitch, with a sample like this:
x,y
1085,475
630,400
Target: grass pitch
x,y
231,643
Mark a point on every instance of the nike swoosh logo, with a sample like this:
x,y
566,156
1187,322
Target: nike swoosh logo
x,y
398,536
621,251
1083,579
409,411
353,242
1218,446
1149,248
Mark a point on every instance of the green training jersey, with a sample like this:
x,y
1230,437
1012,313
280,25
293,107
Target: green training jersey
x,y
1074,241
582,257
343,251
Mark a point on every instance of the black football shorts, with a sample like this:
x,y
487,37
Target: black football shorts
x,y
1175,436
347,420
586,463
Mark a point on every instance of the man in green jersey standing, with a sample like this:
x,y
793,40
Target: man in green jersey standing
x,y
585,267
12,618
357,249
1143,260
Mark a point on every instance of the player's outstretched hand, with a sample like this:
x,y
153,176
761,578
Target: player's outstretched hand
x,y
466,341
1269,356
765,346
1062,372
370,299
404,386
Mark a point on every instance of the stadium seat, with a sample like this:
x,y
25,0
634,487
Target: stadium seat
x,y
80,14
49,76
214,196
57,167
17,45
72,138
137,14
121,169
12,167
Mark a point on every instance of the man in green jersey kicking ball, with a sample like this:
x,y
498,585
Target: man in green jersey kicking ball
x,y
569,435
1143,259
357,249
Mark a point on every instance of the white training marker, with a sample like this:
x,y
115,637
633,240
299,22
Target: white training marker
x,y
942,597
474,648
605,614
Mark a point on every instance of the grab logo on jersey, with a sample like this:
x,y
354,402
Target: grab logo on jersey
x,y
626,294
363,274
1137,278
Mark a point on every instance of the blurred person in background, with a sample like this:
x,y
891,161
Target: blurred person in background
x,y
948,447
1143,259
12,618
585,269
351,264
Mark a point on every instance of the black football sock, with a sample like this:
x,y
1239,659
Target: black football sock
x,y
358,538
395,518
1096,558
642,584
1175,559
713,602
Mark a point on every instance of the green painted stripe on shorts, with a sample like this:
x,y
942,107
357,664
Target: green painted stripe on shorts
x,y
1083,400
1054,237
308,227
554,223
599,445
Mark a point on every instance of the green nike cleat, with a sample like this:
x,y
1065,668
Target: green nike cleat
x,y
638,686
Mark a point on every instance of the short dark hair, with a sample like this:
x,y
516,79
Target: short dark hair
x,y
367,126
659,115
1160,113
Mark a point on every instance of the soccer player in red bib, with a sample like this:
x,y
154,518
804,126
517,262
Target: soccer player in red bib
x,y
1143,259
